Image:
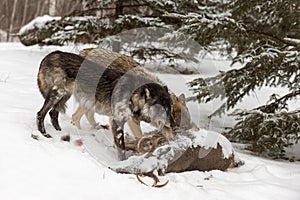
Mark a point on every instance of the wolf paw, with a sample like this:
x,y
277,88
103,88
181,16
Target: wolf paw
x,y
101,126
46,135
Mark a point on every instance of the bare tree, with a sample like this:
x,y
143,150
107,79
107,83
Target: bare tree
x,y
13,17
25,12
7,23
52,7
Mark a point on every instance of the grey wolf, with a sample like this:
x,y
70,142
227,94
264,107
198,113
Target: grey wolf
x,y
126,64
103,90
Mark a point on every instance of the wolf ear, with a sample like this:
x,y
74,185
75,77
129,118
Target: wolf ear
x,y
181,99
147,93
134,102
166,88
173,97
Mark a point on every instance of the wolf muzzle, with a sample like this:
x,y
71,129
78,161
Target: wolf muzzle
x,y
161,119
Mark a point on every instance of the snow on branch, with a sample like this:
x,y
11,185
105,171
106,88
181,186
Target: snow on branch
x,y
37,23
266,134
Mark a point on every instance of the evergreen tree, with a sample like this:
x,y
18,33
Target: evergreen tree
x,y
265,36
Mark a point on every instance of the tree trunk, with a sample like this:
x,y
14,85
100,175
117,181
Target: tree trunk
x,y
71,7
43,5
119,8
52,7
7,21
38,9
25,12
116,45
11,26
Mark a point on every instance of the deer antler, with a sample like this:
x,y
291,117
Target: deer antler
x,y
154,142
154,177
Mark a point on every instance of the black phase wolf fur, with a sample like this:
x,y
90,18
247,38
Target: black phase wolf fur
x,y
56,83
128,95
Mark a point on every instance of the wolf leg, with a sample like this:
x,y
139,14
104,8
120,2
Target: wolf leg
x,y
76,117
58,107
117,130
52,98
54,119
90,117
40,116
135,127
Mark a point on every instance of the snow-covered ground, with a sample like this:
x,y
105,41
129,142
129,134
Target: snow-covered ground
x,y
52,169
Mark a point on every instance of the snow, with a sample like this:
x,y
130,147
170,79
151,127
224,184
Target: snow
x,y
210,139
38,22
295,40
52,169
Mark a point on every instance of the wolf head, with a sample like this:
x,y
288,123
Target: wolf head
x,y
152,103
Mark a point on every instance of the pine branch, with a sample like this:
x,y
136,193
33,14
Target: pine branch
x,y
278,103
151,53
276,38
267,134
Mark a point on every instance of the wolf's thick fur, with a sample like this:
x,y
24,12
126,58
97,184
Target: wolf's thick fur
x,y
98,88
126,64
56,83
111,60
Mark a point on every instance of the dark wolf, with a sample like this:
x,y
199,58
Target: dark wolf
x,y
128,95
113,60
